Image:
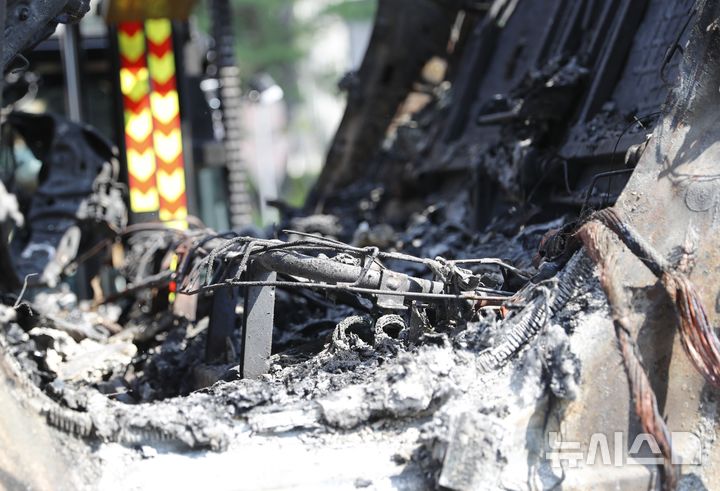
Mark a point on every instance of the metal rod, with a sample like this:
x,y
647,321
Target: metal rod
x,y
321,269
258,320
328,286
594,181
70,41
3,8
382,255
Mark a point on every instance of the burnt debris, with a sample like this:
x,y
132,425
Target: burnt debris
x,y
463,283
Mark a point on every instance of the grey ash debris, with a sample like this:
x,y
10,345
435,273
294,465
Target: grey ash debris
x,y
322,346
340,369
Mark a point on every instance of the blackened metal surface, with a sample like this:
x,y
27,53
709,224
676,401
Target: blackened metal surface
x,y
76,188
28,23
222,324
543,95
428,368
650,68
383,81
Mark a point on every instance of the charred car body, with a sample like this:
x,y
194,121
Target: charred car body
x,y
504,278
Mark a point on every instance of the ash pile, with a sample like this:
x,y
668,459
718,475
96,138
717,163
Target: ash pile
x,y
502,280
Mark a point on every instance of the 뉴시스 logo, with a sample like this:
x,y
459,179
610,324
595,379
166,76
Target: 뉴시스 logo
x,y
617,451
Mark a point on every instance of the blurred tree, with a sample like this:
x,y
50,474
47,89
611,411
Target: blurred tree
x,y
352,9
273,37
266,40
270,39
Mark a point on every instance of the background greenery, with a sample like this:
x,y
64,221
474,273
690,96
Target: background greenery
x,y
270,39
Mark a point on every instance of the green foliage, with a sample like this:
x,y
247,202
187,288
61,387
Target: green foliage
x,y
270,39
296,189
265,33
352,9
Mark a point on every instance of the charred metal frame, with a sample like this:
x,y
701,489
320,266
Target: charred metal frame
x,y
219,265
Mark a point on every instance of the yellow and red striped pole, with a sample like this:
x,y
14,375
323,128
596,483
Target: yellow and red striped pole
x,y
167,135
153,135
135,87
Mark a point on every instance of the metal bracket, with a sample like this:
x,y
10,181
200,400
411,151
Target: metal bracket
x,y
258,320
